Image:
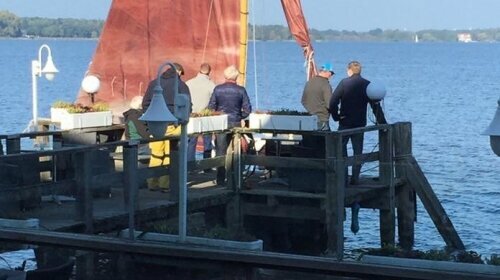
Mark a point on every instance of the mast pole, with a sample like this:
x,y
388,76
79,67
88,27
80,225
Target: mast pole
x,y
242,66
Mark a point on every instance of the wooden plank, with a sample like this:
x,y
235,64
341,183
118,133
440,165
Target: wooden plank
x,y
283,211
131,185
234,257
386,174
206,163
431,203
405,197
83,178
335,195
13,143
363,158
284,162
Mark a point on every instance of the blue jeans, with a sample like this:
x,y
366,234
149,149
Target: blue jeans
x,y
207,146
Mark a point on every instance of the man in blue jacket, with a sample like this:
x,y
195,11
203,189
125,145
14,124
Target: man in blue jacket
x,y
233,100
350,93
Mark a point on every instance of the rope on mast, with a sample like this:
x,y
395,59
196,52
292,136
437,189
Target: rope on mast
x,y
254,58
206,32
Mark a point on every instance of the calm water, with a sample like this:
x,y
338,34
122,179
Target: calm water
x,y
447,90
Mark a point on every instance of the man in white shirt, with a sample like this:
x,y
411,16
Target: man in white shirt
x,y
201,88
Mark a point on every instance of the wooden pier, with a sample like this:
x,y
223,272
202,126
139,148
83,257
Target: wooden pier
x,y
110,199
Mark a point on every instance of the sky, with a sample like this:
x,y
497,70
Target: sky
x,y
357,15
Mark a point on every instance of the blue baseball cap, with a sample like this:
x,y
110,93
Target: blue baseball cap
x,y
327,67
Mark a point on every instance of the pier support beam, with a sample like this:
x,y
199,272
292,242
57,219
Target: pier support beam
x,y
406,198
386,175
335,194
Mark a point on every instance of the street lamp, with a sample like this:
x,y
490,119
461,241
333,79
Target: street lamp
x,y
49,70
493,131
158,117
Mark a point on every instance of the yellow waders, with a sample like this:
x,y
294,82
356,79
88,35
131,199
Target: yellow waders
x,y
160,155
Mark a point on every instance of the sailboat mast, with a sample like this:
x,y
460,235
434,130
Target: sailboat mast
x,y
242,67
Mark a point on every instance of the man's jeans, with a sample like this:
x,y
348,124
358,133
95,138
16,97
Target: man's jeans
x,y
207,146
357,148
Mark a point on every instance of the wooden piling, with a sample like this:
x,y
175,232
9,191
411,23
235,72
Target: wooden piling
x,y
130,185
335,194
405,200
83,178
386,176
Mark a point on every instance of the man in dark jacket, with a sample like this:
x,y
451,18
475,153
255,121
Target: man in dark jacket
x,y
233,100
160,150
167,80
351,95
317,94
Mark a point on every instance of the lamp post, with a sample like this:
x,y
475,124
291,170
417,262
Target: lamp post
x,y
158,117
36,70
493,131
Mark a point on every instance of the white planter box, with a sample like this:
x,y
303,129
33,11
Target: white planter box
x,y
82,120
206,124
256,245
283,122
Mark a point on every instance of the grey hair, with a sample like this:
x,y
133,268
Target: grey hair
x,y
231,73
136,102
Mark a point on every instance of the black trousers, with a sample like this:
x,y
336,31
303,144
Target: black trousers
x,y
357,148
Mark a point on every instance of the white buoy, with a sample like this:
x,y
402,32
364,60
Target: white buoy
x,y
376,91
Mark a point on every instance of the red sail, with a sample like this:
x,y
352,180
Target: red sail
x,y
298,28
138,36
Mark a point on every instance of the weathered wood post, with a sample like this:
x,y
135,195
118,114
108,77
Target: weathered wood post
x,y
234,217
83,178
173,170
13,143
406,199
386,175
335,194
84,210
130,184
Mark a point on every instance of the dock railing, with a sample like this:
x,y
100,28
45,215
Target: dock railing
x,y
394,157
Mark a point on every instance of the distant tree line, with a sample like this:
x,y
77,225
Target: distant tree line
x,y
15,27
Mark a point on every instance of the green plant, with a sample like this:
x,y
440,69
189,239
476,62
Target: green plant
x,y
284,111
79,108
100,107
206,113
219,232
493,260
62,104
468,257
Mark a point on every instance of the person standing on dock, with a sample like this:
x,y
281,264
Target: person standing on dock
x,y
233,100
350,93
160,150
201,88
317,94
135,128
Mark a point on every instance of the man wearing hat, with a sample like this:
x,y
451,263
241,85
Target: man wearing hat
x,y
316,96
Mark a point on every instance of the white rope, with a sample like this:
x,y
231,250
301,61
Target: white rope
x,y
254,58
206,32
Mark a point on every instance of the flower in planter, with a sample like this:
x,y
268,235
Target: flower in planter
x,y
284,111
206,113
79,108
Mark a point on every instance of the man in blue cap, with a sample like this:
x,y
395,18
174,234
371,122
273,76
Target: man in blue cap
x,y
317,94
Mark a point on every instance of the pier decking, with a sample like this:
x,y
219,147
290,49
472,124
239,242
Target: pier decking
x,y
111,200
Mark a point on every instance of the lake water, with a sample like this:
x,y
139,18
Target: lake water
x,y
447,90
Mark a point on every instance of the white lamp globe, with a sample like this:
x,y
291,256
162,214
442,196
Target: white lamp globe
x,y
376,91
91,84
50,76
